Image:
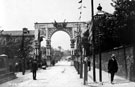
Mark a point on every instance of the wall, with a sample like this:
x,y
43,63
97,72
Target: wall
x,y
122,61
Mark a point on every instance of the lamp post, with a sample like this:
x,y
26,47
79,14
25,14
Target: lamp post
x,y
93,41
100,14
81,70
25,31
80,47
78,50
85,51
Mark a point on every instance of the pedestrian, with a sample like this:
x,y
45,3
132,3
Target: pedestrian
x,y
89,64
112,67
53,62
16,66
34,68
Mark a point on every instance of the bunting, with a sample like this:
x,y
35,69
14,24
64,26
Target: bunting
x,y
80,1
90,26
79,17
84,6
80,7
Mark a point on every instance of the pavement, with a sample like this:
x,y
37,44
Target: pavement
x,y
118,81
64,75
60,75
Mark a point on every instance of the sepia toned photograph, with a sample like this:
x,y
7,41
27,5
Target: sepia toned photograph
x,y
67,43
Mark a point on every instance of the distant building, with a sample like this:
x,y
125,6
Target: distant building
x,y
16,35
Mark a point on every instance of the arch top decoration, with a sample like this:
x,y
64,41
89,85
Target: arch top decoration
x,y
48,29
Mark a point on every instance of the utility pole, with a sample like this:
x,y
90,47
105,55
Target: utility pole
x,y
81,56
100,60
93,41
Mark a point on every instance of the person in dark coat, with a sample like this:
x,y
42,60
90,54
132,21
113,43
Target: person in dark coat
x,y
34,68
112,67
53,62
89,64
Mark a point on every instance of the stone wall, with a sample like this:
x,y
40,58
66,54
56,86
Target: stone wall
x,y
125,63
5,74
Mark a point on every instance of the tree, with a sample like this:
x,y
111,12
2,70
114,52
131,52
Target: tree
x,y
12,46
105,33
118,28
125,15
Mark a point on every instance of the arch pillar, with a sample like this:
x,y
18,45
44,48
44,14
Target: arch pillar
x,y
48,51
72,47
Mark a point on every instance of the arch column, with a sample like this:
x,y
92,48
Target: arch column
x,y
48,47
37,42
72,46
48,51
72,42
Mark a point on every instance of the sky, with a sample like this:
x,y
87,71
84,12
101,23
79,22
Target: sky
x,y
17,14
61,41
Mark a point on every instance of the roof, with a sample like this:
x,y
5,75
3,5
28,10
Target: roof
x,y
17,33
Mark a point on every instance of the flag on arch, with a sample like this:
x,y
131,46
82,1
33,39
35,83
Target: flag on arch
x,y
84,6
80,7
79,17
80,1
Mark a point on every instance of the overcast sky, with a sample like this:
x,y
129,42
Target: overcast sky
x,y
17,14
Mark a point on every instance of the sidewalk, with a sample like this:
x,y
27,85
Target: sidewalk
x,y
118,81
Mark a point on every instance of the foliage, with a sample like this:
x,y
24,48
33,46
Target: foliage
x,y
105,34
56,54
28,41
114,30
125,19
12,47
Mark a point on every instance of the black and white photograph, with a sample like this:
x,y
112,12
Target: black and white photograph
x,y
67,43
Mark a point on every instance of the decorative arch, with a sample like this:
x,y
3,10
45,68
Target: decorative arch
x,y
48,29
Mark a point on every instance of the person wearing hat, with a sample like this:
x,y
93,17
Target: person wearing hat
x,y
34,68
112,66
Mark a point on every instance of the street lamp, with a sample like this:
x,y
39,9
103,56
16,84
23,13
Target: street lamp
x,y
99,15
86,54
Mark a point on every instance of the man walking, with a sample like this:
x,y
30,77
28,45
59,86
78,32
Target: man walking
x,y
89,64
34,68
112,67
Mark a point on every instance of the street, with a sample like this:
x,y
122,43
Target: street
x,y
61,75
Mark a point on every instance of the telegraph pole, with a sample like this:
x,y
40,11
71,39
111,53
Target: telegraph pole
x,y
93,41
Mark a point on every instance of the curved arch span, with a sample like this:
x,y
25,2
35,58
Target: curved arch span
x,y
69,33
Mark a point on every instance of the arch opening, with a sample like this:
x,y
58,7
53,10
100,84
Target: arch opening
x,y
61,38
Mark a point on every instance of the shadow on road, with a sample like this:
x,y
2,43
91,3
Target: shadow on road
x,y
121,81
